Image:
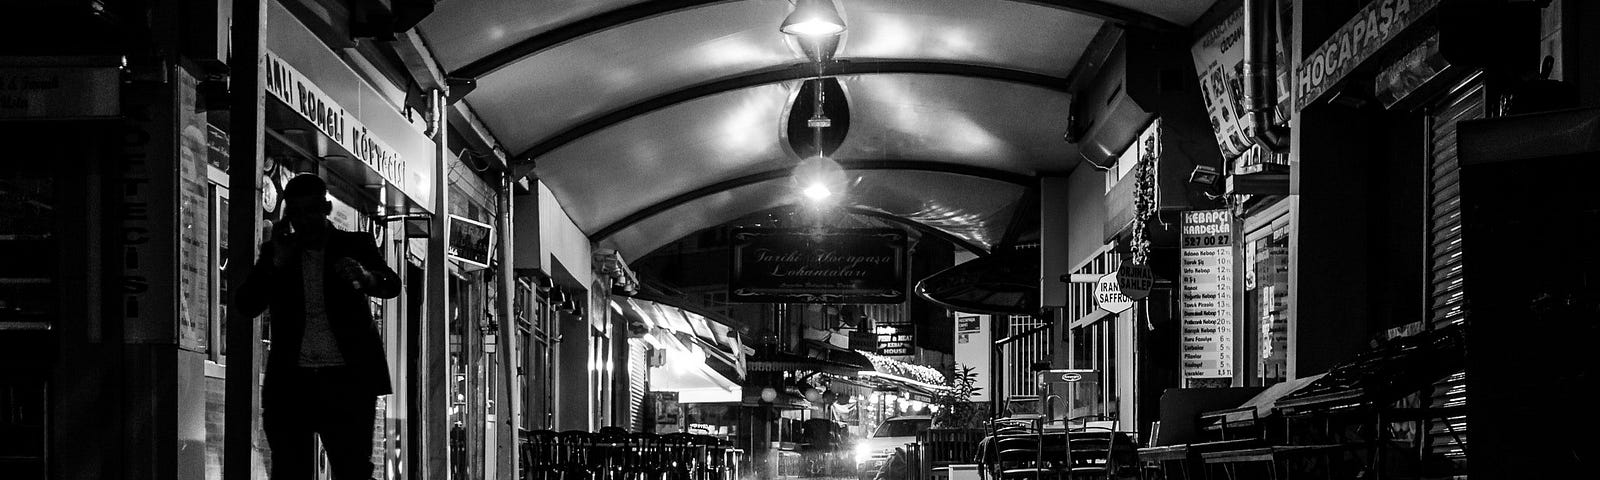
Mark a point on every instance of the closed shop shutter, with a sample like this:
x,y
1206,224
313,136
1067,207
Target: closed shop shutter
x,y
1446,296
638,382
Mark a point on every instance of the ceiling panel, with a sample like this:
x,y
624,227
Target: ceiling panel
x,y
1181,12
976,210
1010,34
462,31
947,118
671,225
537,97
617,171
614,172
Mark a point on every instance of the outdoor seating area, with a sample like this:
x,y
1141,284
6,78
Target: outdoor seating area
x,y
1080,448
1367,417
615,454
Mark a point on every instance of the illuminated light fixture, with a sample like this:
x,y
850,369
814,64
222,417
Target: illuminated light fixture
x,y
813,18
819,177
817,191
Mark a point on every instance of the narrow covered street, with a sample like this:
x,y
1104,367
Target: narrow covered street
x,y
798,239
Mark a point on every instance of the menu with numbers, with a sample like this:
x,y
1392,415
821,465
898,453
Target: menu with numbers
x,y
1207,294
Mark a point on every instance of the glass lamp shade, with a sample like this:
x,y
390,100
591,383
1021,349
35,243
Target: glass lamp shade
x,y
813,18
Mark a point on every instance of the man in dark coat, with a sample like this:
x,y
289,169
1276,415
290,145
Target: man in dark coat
x,y
326,366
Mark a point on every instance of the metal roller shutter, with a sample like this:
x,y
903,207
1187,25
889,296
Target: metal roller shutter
x,y
1446,305
638,382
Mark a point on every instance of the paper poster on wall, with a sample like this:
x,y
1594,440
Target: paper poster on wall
x,y
194,222
1207,308
974,348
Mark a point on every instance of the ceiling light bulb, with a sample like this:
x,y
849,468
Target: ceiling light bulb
x,y
813,18
814,28
817,191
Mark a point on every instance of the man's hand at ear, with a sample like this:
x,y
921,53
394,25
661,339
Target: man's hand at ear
x,y
352,271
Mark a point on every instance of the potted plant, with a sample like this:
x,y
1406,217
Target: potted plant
x,y
955,408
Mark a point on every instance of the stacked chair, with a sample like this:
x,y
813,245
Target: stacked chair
x,y
616,454
1030,451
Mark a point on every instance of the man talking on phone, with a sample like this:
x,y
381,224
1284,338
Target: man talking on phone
x,y
326,366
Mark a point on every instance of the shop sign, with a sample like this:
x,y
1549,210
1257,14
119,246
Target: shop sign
x,y
896,340
1206,294
1219,62
1061,375
968,323
1108,295
1135,280
1410,72
59,92
470,241
777,265
1372,28
294,89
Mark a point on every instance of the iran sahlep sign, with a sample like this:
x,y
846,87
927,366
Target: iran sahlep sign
x,y
783,265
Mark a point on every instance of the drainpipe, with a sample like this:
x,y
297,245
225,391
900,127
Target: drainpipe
x,y
505,309
1260,78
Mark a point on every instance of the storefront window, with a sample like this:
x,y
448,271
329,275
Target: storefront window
x,y
1092,342
1267,298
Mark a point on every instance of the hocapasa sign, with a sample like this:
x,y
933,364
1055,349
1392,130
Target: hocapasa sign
x,y
778,265
1370,29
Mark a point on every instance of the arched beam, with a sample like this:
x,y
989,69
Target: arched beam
x,y
1122,16
1025,181
781,74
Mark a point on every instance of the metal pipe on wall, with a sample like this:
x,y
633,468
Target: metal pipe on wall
x,y
505,309
1259,78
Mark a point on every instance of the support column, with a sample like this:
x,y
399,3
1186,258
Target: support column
x,y
247,93
435,372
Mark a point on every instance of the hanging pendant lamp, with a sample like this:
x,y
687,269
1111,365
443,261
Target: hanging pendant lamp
x,y
813,18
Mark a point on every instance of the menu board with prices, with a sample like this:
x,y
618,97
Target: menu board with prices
x,y
1207,295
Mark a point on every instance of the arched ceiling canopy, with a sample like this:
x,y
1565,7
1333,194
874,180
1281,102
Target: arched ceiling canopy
x,y
633,11
650,120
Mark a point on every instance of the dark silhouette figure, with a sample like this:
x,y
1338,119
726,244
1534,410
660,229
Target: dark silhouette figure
x,y
326,366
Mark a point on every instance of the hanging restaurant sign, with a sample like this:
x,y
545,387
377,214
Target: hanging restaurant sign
x,y
1135,280
1372,28
1108,295
895,340
293,89
1206,294
470,241
779,265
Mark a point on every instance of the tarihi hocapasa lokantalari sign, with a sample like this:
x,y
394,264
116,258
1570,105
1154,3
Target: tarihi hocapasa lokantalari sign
x,y
781,265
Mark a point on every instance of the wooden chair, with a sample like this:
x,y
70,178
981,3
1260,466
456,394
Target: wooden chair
x,y
1091,452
